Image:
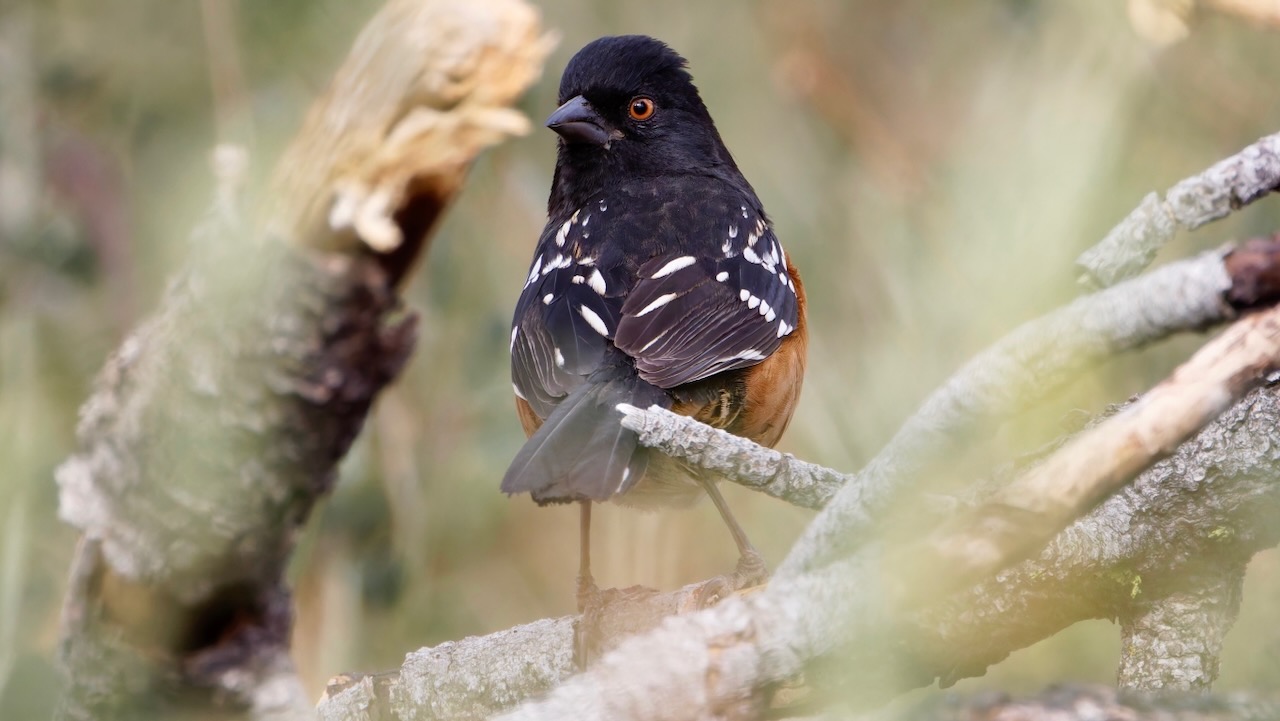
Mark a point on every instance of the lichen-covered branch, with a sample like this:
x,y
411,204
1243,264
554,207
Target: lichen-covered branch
x,y
738,459
509,666
473,678
219,422
1228,185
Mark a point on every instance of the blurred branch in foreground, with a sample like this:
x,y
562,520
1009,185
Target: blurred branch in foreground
x,y
218,423
1068,703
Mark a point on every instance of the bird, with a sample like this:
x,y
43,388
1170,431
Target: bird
x,y
658,280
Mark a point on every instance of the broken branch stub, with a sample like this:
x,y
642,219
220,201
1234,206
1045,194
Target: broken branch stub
x,y
426,88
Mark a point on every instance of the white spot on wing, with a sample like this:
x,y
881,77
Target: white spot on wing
x,y
579,279
672,266
594,320
657,303
546,299
733,232
753,302
749,354
783,328
515,330
596,281
770,315
563,232
743,295
516,389
604,205
559,357
533,272
750,256
722,276
560,261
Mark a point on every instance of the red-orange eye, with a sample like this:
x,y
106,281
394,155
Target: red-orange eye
x,y
641,108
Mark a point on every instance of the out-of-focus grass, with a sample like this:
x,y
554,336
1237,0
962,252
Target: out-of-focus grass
x,y
932,168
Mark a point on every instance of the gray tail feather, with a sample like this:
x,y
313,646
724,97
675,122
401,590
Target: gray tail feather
x,y
582,452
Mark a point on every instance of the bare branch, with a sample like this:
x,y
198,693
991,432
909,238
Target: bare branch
x,y
1199,199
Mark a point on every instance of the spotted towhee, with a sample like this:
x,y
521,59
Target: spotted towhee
x,y
658,280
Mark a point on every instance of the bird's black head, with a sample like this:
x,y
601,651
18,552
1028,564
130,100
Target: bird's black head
x,y
628,109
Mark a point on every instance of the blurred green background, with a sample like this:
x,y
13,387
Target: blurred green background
x,y
933,169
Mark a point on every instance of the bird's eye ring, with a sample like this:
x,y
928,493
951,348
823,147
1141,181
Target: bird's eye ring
x,y
641,108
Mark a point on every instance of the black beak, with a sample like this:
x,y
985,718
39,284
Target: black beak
x,y
577,122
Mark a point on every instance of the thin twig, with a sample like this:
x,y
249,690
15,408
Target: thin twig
x,y
1207,196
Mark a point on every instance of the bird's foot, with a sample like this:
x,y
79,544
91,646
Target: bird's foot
x,y
751,570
